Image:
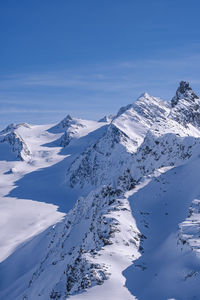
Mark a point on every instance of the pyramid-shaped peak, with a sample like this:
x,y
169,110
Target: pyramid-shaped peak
x,y
184,91
144,95
68,117
66,120
146,99
63,125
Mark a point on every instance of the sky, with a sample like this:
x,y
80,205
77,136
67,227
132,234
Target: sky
x,y
88,58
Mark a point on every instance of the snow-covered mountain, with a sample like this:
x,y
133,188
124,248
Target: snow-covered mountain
x,y
107,209
12,138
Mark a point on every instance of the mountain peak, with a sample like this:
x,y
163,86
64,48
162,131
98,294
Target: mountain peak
x,y
184,86
62,125
184,91
144,95
148,99
66,122
68,118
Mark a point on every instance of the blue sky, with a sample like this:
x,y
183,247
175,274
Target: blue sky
x,y
88,57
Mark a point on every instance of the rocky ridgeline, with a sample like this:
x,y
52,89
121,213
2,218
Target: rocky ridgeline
x,y
169,141
75,264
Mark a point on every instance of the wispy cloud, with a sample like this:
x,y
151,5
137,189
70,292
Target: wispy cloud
x,y
93,90
115,76
91,81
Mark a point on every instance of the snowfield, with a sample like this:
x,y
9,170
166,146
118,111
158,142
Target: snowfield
x,y
103,210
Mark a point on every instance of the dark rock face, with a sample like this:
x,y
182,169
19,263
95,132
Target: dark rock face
x,y
184,91
186,106
66,122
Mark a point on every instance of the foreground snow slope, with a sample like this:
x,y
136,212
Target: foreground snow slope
x,y
169,266
128,193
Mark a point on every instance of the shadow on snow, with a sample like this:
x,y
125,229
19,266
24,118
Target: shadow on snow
x,y
158,208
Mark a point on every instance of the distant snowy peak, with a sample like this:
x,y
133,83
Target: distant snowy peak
x,y
184,91
65,124
70,127
107,119
68,121
11,127
11,136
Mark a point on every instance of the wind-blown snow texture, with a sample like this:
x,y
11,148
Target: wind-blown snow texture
x,y
103,210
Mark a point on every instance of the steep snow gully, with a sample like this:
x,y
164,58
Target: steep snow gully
x,y
103,210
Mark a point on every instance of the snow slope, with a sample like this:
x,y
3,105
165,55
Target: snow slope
x,y
32,178
169,263
113,207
